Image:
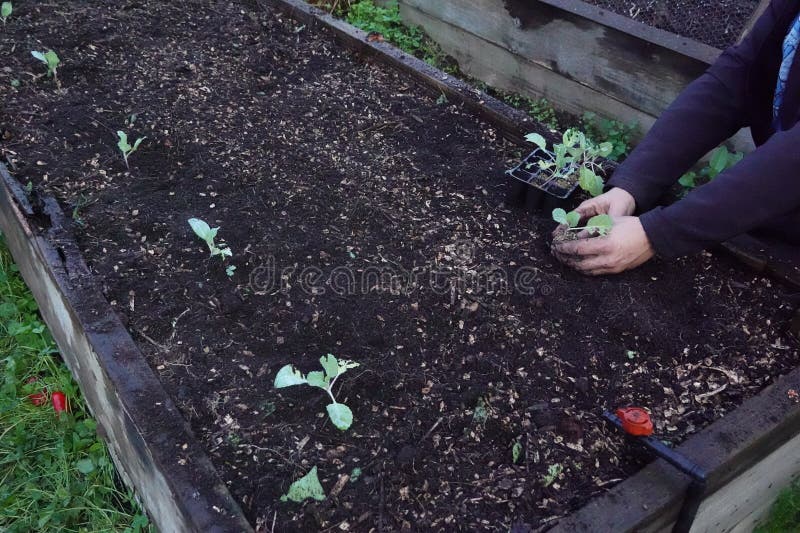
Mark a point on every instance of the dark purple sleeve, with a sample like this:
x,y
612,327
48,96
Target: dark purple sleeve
x,y
761,188
707,112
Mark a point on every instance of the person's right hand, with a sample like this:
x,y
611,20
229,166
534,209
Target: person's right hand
x,y
616,202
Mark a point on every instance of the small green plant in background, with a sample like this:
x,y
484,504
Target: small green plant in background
x,y
332,368
617,133
553,471
721,160
597,225
50,60
209,234
307,487
516,452
5,11
574,153
125,147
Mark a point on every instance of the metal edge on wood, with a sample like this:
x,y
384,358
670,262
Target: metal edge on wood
x,y
512,123
671,41
152,445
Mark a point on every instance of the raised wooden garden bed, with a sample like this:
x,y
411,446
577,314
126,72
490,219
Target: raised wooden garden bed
x,y
365,218
577,55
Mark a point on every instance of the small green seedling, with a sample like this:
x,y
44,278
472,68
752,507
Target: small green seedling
x,y
553,471
208,234
597,225
307,487
50,60
125,147
721,160
339,413
5,11
576,153
516,452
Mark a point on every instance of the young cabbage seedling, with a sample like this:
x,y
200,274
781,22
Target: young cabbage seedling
x,y
5,11
574,152
339,413
208,234
125,147
597,225
50,60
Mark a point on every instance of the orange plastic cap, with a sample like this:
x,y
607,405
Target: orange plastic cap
x,y
635,421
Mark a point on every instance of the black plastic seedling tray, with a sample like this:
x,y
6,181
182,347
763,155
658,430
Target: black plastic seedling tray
x,y
530,189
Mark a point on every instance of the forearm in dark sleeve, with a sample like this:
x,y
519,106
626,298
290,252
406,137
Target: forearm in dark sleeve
x,y
706,113
762,187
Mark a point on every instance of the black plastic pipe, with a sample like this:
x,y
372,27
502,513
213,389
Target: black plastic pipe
x,y
696,489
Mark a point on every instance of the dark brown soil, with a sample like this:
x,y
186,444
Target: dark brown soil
x,y
716,23
308,158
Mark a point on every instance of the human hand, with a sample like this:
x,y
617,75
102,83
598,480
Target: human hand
x,y
616,202
626,246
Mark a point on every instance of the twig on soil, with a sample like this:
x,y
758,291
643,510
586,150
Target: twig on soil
x,y
151,341
431,430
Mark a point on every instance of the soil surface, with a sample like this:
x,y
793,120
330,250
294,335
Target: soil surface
x,y
715,23
365,220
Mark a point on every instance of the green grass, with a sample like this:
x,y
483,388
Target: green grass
x,y
55,472
784,516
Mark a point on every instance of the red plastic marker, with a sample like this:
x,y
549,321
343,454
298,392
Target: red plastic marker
x,y
635,421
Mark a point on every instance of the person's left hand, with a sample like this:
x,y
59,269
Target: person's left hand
x,y
626,246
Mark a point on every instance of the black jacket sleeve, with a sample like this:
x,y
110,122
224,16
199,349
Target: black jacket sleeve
x,y
707,112
762,187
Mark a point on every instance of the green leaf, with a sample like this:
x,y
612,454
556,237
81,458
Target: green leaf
x,y
573,218
688,180
590,182
317,379
5,10
719,160
604,149
330,364
560,216
307,487
516,452
553,471
340,415
39,56
537,139
52,60
289,376
600,223
85,466
355,474
137,143
202,229
123,142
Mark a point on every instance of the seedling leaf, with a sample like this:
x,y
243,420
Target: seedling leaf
x,y
719,160
560,216
5,11
317,379
573,218
590,182
341,415
39,56
602,224
201,228
553,471
122,144
330,364
307,487
289,376
537,139
516,452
